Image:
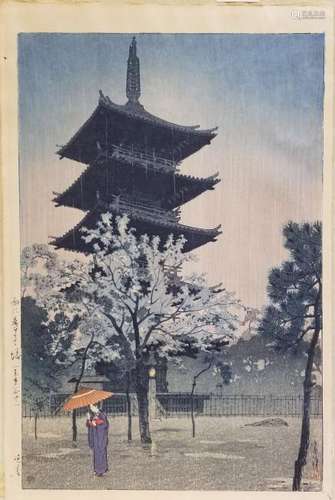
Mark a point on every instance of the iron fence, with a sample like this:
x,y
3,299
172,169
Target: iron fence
x,y
180,405
236,405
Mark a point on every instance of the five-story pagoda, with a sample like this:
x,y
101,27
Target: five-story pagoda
x,y
133,160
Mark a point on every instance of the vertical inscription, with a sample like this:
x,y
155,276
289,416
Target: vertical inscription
x,y
15,353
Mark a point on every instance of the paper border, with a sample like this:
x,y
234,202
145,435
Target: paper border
x,y
97,17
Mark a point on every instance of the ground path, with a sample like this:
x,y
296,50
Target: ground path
x,y
224,455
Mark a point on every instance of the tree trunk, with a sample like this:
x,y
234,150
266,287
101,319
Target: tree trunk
x,y
142,387
74,413
35,424
74,425
195,378
305,426
143,415
192,408
129,408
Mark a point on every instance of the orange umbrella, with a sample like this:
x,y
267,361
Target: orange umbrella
x,y
84,397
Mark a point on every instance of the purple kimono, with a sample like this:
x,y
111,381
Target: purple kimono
x,y
98,441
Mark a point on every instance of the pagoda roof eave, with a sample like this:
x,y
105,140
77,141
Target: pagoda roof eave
x,y
62,151
138,111
199,137
194,236
200,184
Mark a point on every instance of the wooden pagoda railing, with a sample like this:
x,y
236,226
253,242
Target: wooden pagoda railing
x,y
137,207
146,160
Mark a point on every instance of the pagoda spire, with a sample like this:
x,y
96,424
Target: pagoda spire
x,y
133,88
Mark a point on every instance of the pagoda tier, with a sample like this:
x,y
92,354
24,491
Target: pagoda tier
x,y
114,176
144,219
130,125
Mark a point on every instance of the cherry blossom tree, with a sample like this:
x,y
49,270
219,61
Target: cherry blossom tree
x,y
251,321
127,302
38,366
53,338
37,263
131,289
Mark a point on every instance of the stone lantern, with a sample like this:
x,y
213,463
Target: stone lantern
x,y
152,363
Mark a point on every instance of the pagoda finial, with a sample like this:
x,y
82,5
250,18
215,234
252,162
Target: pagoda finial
x,y
133,89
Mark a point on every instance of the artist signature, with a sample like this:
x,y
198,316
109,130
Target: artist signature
x,y
17,460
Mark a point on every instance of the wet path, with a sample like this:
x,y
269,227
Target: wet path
x,y
224,455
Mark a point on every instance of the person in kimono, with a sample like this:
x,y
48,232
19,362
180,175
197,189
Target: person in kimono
x,y
97,425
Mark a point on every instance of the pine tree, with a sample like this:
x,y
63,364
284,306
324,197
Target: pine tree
x,y
295,314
